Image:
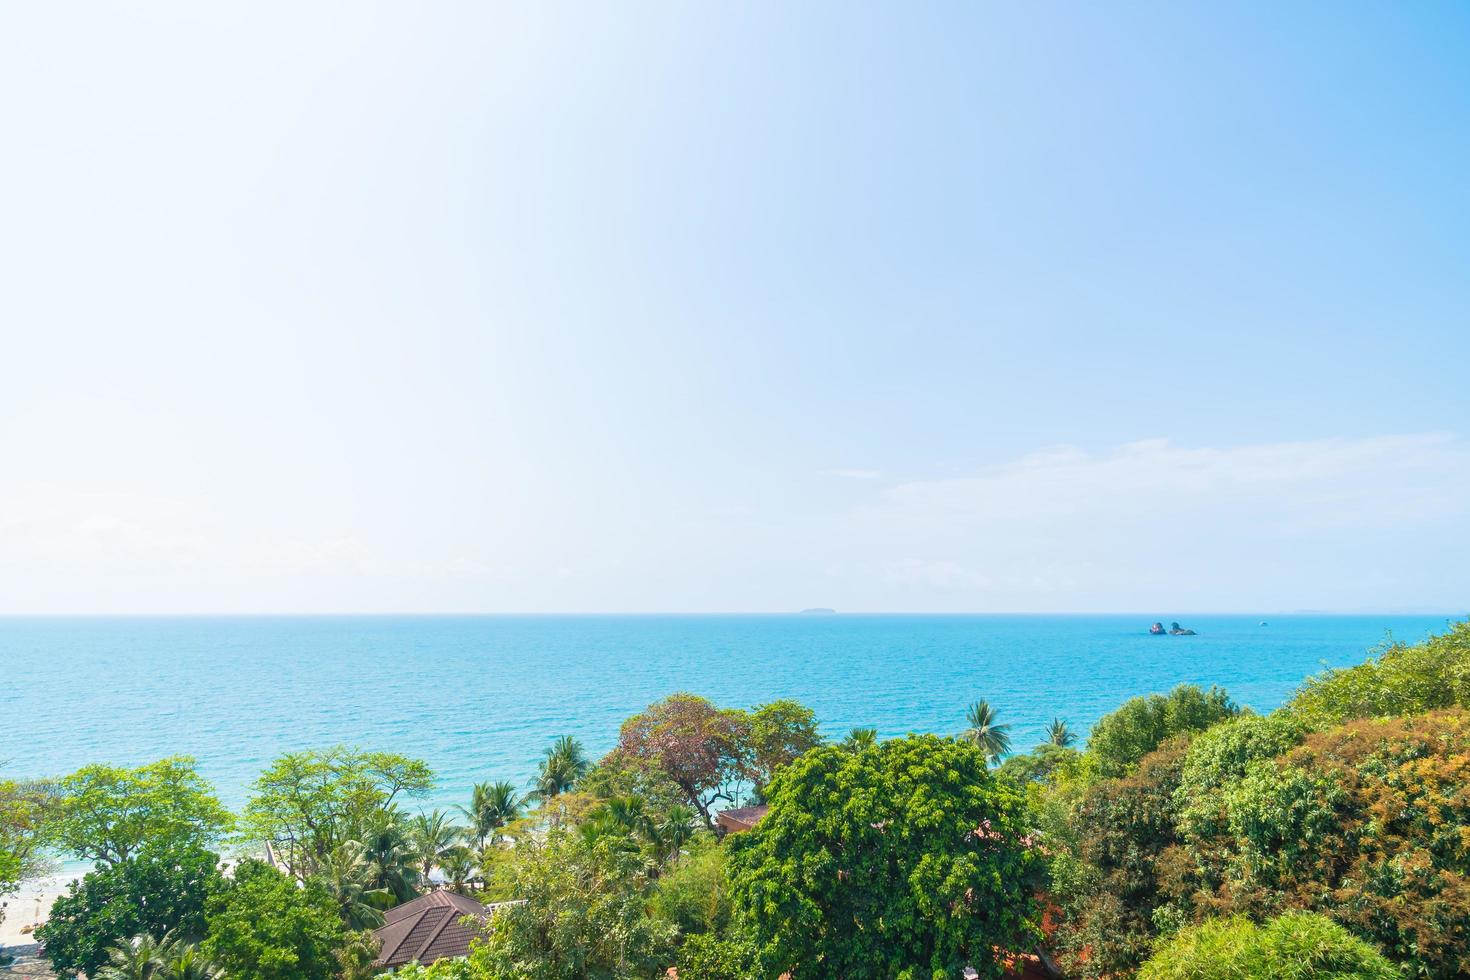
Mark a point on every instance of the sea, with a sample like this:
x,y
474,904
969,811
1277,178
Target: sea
x,y
480,697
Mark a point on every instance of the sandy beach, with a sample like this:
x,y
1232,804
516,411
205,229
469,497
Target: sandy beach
x,y
30,906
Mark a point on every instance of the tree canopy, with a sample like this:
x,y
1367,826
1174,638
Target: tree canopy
x,y
1119,740
901,859
266,926
108,813
1295,946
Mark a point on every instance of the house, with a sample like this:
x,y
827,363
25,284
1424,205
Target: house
x,y
428,929
744,818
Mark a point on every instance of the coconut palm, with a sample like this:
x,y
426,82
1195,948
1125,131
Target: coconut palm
x,y
992,739
135,960
458,864
430,835
351,879
387,847
861,738
492,806
180,960
1058,733
563,766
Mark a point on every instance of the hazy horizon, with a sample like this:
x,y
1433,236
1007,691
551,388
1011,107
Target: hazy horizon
x,y
557,309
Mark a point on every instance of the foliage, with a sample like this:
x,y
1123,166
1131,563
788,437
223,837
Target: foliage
x,y
158,891
1038,765
861,738
442,970
1059,733
308,803
1218,759
388,848
432,835
984,733
777,734
695,745
708,956
28,810
108,813
350,878
1401,680
902,859
492,807
1367,823
693,894
1121,739
1295,946
584,915
1123,828
266,926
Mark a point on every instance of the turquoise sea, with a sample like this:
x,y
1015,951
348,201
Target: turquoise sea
x,y
478,697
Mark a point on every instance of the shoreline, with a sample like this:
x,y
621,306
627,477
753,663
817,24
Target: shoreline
x,y
31,906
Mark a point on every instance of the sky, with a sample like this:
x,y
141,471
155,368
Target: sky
x,y
361,307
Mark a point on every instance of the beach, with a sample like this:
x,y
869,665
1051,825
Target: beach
x,y
30,906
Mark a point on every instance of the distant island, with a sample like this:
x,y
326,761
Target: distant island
x,y
819,611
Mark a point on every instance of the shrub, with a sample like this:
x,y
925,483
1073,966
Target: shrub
x,y
906,858
158,890
693,894
267,927
1401,680
1121,739
1296,946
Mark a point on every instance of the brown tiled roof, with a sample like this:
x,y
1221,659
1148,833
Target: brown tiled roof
x,y
427,929
742,819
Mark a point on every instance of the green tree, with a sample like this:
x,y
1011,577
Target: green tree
x,y
308,803
1142,724
1038,765
1059,733
266,926
1401,680
389,850
1296,946
350,878
984,733
108,813
431,835
584,917
694,894
560,769
861,738
496,805
28,810
135,959
776,735
904,859
696,746
178,959
160,890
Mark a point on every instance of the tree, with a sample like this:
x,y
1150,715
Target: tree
x,y
992,739
584,917
560,770
1364,823
694,894
1058,733
308,803
1296,946
266,926
391,856
695,745
861,738
160,890
28,810
350,878
777,734
495,805
431,835
108,813
178,959
904,859
1038,765
1141,725
1401,680
135,959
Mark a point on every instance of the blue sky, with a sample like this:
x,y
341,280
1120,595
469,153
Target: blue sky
x,y
555,307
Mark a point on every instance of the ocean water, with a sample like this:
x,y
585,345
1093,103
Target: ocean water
x,y
479,697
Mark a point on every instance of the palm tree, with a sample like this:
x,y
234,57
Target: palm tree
x,y
135,960
564,765
492,806
984,733
387,847
861,738
1057,733
430,835
180,960
349,876
459,869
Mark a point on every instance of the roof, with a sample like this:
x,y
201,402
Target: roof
x,y
743,818
427,929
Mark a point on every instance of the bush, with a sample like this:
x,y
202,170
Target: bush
x,y
1402,680
902,859
692,894
1220,758
1141,725
157,891
1296,946
267,927
1366,823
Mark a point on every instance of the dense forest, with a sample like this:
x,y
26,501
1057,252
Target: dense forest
x,y
1185,837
